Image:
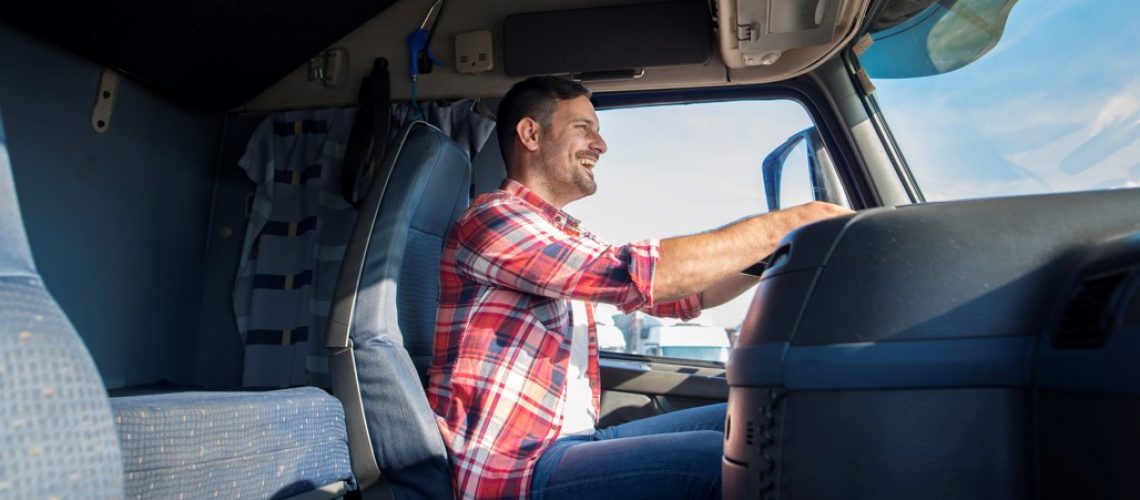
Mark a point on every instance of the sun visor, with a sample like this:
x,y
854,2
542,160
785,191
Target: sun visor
x,y
607,42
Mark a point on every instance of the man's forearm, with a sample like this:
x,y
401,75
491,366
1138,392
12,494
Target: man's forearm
x,y
727,289
693,264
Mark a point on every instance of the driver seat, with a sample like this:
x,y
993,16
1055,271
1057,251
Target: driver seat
x,y
383,315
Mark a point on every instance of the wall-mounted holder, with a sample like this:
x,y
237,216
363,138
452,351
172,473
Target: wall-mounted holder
x,y
330,67
105,100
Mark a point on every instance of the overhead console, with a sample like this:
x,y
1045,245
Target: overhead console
x,y
758,32
978,349
769,40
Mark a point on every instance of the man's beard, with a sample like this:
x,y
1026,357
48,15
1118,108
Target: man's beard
x,y
569,181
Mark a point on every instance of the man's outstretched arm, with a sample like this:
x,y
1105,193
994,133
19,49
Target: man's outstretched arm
x,y
727,289
694,264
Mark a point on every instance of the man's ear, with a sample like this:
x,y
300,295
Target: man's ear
x,y
528,131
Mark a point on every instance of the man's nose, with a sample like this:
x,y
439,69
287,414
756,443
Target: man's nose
x,y
598,144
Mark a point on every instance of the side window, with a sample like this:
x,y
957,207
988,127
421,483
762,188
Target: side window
x,y
682,169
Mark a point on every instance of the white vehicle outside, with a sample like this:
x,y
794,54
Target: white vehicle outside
x,y
689,341
610,337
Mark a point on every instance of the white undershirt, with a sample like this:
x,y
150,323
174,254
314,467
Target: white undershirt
x,y
578,415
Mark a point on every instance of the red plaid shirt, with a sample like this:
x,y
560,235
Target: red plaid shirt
x,y
510,267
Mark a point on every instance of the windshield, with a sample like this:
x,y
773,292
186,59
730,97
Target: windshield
x,y
1000,97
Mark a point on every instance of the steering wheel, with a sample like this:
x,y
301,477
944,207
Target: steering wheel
x,y
758,268
776,257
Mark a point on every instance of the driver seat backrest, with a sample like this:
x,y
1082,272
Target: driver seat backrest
x,y
57,435
383,316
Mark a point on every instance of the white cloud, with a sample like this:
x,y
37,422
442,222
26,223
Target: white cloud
x,y
1122,109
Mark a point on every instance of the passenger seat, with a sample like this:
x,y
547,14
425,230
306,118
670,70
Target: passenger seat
x,y
59,438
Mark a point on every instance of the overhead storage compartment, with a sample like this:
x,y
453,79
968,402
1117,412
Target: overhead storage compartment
x,y
613,40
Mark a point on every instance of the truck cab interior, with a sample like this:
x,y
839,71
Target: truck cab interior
x,y
219,276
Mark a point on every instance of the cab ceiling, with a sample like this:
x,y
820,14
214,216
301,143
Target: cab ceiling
x,y
253,55
202,54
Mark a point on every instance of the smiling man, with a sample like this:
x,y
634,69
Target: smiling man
x,y
514,375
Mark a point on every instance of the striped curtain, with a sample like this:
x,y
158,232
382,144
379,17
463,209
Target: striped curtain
x,y
298,229
295,240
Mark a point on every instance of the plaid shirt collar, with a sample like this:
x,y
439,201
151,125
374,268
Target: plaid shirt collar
x,y
562,220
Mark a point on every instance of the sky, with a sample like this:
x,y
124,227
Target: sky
x,y
1054,106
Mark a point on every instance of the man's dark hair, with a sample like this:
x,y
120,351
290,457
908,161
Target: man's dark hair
x,y
534,98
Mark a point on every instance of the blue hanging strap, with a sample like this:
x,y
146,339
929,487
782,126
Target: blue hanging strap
x,y
420,57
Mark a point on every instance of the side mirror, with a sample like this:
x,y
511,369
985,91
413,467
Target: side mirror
x,y
825,184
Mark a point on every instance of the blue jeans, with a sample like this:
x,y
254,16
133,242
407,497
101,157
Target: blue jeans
x,y
675,455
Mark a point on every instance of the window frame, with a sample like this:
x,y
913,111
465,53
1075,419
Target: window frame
x,y
883,129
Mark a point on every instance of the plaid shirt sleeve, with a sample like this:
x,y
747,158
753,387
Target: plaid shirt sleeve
x,y
685,308
510,245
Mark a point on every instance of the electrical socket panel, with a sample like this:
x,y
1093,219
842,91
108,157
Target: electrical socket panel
x,y
474,52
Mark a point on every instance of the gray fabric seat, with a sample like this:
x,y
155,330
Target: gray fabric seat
x,y
57,438
273,444
383,316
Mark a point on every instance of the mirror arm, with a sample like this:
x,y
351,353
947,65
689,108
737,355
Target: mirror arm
x,y
819,189
773,168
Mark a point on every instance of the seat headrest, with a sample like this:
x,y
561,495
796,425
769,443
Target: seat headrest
x,y
15,254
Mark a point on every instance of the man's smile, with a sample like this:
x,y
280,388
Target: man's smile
x,y
588,161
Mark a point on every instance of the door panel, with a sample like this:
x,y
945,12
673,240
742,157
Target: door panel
x,y
635,387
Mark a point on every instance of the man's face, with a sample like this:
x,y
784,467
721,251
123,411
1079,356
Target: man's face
x,y
569,149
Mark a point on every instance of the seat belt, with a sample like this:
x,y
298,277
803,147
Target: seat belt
x,y
368,139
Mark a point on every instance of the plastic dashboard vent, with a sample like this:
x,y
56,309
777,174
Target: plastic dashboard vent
x,y
1087,320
